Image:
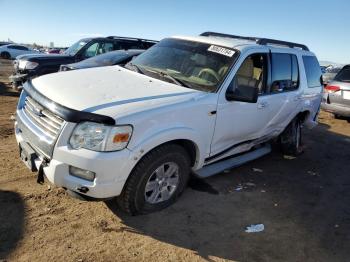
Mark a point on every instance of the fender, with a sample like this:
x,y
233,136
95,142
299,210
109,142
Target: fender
x,y
170,134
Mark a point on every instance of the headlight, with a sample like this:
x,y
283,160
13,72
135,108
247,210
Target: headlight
x,y
99,137
23,64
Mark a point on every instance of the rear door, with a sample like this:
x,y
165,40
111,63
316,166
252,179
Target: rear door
x,y
284,89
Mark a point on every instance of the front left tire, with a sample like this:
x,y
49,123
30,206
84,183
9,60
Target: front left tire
x,y
5,55
157,180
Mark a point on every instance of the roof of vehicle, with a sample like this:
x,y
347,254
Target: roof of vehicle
x,y
125,38
240,42
15,45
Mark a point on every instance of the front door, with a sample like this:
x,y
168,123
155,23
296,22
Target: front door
x,y
238,122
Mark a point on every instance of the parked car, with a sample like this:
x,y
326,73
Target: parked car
x,y
336,97
329,73
202,104
53,51
13,50
30,66
119,57
5,43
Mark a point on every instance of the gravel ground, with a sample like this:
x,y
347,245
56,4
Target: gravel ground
x,y
303,203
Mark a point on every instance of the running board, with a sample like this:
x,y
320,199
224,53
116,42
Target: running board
x,y
222,165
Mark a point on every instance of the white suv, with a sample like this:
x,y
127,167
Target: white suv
x,y
200,104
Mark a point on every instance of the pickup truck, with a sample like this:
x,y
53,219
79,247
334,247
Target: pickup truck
x,y
34,65
187,106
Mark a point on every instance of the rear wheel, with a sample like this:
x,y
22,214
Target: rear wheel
x,y
291,138
156,181
336,116
5,55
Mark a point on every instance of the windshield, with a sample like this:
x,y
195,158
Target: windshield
x,y
195,65
75,48
343,75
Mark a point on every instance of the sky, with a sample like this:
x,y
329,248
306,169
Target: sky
x,y
322,25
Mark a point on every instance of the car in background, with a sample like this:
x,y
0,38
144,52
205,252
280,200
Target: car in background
x,y
30,66
329,72
336,97
5,43
119,57
53,51
11,51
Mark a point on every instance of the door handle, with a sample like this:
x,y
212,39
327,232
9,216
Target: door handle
x,y
262,105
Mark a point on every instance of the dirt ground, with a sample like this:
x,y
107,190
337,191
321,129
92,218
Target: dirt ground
x,y
304,204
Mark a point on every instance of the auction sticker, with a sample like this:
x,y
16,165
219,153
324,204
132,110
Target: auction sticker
x,y
221,50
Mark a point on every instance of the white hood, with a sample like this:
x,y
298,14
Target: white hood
x,y
112,90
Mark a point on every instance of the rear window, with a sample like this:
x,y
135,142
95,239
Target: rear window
x,y
343,75
313,71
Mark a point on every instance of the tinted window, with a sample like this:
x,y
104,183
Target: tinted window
x,y
130,45
285,72
313,71
146,45
251,73
343,75
22,48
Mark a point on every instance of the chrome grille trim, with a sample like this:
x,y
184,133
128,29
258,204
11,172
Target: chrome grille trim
x,y
45,120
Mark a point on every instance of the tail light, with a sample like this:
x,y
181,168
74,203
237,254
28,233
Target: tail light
x,y
331,89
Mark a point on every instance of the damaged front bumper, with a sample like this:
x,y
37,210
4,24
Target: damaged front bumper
x,y
17,80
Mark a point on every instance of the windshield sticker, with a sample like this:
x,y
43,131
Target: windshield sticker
x,y
221,50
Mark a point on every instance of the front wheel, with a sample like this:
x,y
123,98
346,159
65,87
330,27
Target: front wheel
x,y
5,55
156,181
291,139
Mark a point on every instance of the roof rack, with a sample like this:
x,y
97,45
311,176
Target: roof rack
x,y
132,38
258,40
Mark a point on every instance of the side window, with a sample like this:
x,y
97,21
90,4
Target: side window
x,y
313,71
146,45
284,72
252,73
105,48
22,48
91,50
130,45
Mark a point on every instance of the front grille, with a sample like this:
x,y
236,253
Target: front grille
x,y
44,119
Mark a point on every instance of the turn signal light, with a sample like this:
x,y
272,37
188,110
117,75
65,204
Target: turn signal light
x,y
121,138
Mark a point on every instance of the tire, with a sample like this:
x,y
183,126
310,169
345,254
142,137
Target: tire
x,y
5,55
336,116
291,139
171,158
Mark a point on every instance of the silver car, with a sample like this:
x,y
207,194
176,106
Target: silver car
x,y
336,97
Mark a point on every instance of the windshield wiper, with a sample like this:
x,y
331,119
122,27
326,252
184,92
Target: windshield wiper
x,y
175,80
132,65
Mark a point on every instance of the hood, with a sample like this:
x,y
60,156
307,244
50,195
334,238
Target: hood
x,y
85,64
112,90
47,58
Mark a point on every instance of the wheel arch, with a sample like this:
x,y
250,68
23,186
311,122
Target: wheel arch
x,y
303,116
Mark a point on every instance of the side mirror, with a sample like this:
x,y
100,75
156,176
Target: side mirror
x,y
243,93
